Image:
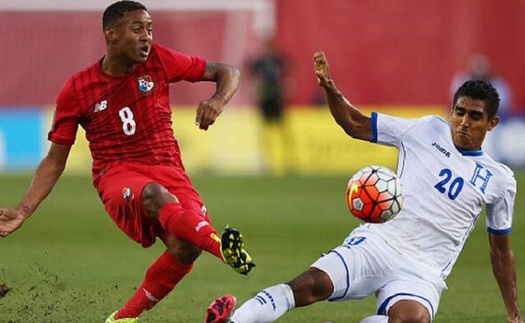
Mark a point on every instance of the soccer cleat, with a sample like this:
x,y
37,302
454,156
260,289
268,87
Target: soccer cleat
x,y
220,309
112,319
233,252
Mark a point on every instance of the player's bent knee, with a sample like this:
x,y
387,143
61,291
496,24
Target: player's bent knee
x,y
185,252
408,311
312,286
154,196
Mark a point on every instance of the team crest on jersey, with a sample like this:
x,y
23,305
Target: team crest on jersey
x,y
146,83
127,193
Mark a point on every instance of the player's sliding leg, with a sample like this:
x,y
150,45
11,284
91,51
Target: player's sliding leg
x,y
267,306
190,226
159,281
220,309
273,302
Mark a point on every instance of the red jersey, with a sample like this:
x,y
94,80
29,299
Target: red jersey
x,y
127,119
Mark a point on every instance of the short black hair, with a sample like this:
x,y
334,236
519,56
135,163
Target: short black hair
x,y
480,90
116,11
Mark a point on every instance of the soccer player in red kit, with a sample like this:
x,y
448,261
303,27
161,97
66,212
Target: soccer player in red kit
x,y
122,102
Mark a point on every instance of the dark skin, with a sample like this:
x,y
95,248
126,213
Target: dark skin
x,y
469,123
128,44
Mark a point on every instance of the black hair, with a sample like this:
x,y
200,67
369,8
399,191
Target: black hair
x,y
116,11
480,90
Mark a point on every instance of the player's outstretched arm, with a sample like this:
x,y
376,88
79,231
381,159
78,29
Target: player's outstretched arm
x,y
503,266
44,179
353,122
227,79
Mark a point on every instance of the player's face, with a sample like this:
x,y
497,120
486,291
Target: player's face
x,y
469,123
134,36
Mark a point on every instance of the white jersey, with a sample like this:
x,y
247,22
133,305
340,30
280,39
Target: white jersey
x,y
444,188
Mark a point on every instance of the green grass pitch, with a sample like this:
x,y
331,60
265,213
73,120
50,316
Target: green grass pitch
x,y
69,262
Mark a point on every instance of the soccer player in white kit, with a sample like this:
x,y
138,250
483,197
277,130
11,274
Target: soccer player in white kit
x,y
447,179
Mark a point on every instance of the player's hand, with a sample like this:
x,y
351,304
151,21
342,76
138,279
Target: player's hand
x,y
10,220
517,319
207,112
322,70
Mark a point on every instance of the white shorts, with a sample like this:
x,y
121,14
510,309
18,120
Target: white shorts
x,y
366,264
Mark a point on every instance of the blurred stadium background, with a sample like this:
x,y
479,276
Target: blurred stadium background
x,y
396,56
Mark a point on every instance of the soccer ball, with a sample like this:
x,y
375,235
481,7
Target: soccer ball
x,y
374,194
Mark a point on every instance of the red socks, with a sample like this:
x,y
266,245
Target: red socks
x,y
166,271
160,280
189,226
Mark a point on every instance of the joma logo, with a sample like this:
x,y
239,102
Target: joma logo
x,y
441,149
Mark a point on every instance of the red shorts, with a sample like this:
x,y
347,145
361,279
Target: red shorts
x,y
120,189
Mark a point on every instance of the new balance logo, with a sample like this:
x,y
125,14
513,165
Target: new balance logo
x,y
201,225
150,296
101,106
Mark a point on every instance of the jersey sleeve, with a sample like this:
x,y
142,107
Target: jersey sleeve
x,y
67,117
179,66
499,213
389,130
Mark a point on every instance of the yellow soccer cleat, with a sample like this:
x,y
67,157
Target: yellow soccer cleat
x,y
112,319
233,252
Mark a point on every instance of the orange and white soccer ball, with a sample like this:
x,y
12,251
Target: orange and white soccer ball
x,y
374,194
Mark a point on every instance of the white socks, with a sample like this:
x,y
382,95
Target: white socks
x,y
375,319
267,306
